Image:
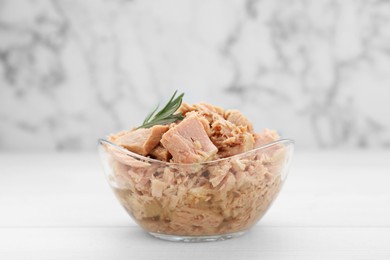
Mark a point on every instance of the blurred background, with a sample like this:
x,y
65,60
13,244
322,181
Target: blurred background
x,y
74,71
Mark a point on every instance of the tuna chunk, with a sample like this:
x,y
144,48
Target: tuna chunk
x,y
236,117
218,173
207,113
201,119
141,141
185,108
157,188
188,142
266,137
160,153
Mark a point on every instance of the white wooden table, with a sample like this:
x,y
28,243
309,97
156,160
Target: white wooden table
x,y
335,205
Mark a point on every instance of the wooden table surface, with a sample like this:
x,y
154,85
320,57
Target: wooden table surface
x,y
334,205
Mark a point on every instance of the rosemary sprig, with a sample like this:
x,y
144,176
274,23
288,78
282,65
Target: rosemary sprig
x,y
166,115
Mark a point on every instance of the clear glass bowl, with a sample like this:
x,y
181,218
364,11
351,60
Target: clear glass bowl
x,y
209,201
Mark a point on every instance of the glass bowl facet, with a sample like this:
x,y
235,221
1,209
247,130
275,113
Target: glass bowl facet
x,y
208,201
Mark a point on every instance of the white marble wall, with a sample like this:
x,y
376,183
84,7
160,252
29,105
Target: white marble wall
x,y
72,71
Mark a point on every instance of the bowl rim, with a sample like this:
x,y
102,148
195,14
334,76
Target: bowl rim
x,y
103,141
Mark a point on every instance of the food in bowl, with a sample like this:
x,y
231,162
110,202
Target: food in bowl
x,y
196,172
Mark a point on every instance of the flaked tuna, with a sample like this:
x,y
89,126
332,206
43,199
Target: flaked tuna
x,y
208,111
239,143
218,172
208,108
265,137
197,217
157,187
188,142
230,138
236,117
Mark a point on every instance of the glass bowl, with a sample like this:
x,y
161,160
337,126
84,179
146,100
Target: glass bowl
x,y
209,201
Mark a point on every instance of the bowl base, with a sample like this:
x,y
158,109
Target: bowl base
x,y
194,239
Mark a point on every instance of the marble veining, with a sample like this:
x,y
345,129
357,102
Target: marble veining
x,y
72,71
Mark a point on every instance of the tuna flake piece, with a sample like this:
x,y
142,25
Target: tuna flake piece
x,y
236,117
265,137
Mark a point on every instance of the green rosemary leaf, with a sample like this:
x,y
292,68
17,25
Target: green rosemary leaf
x,y
163,121
150,115
166,115
171,107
